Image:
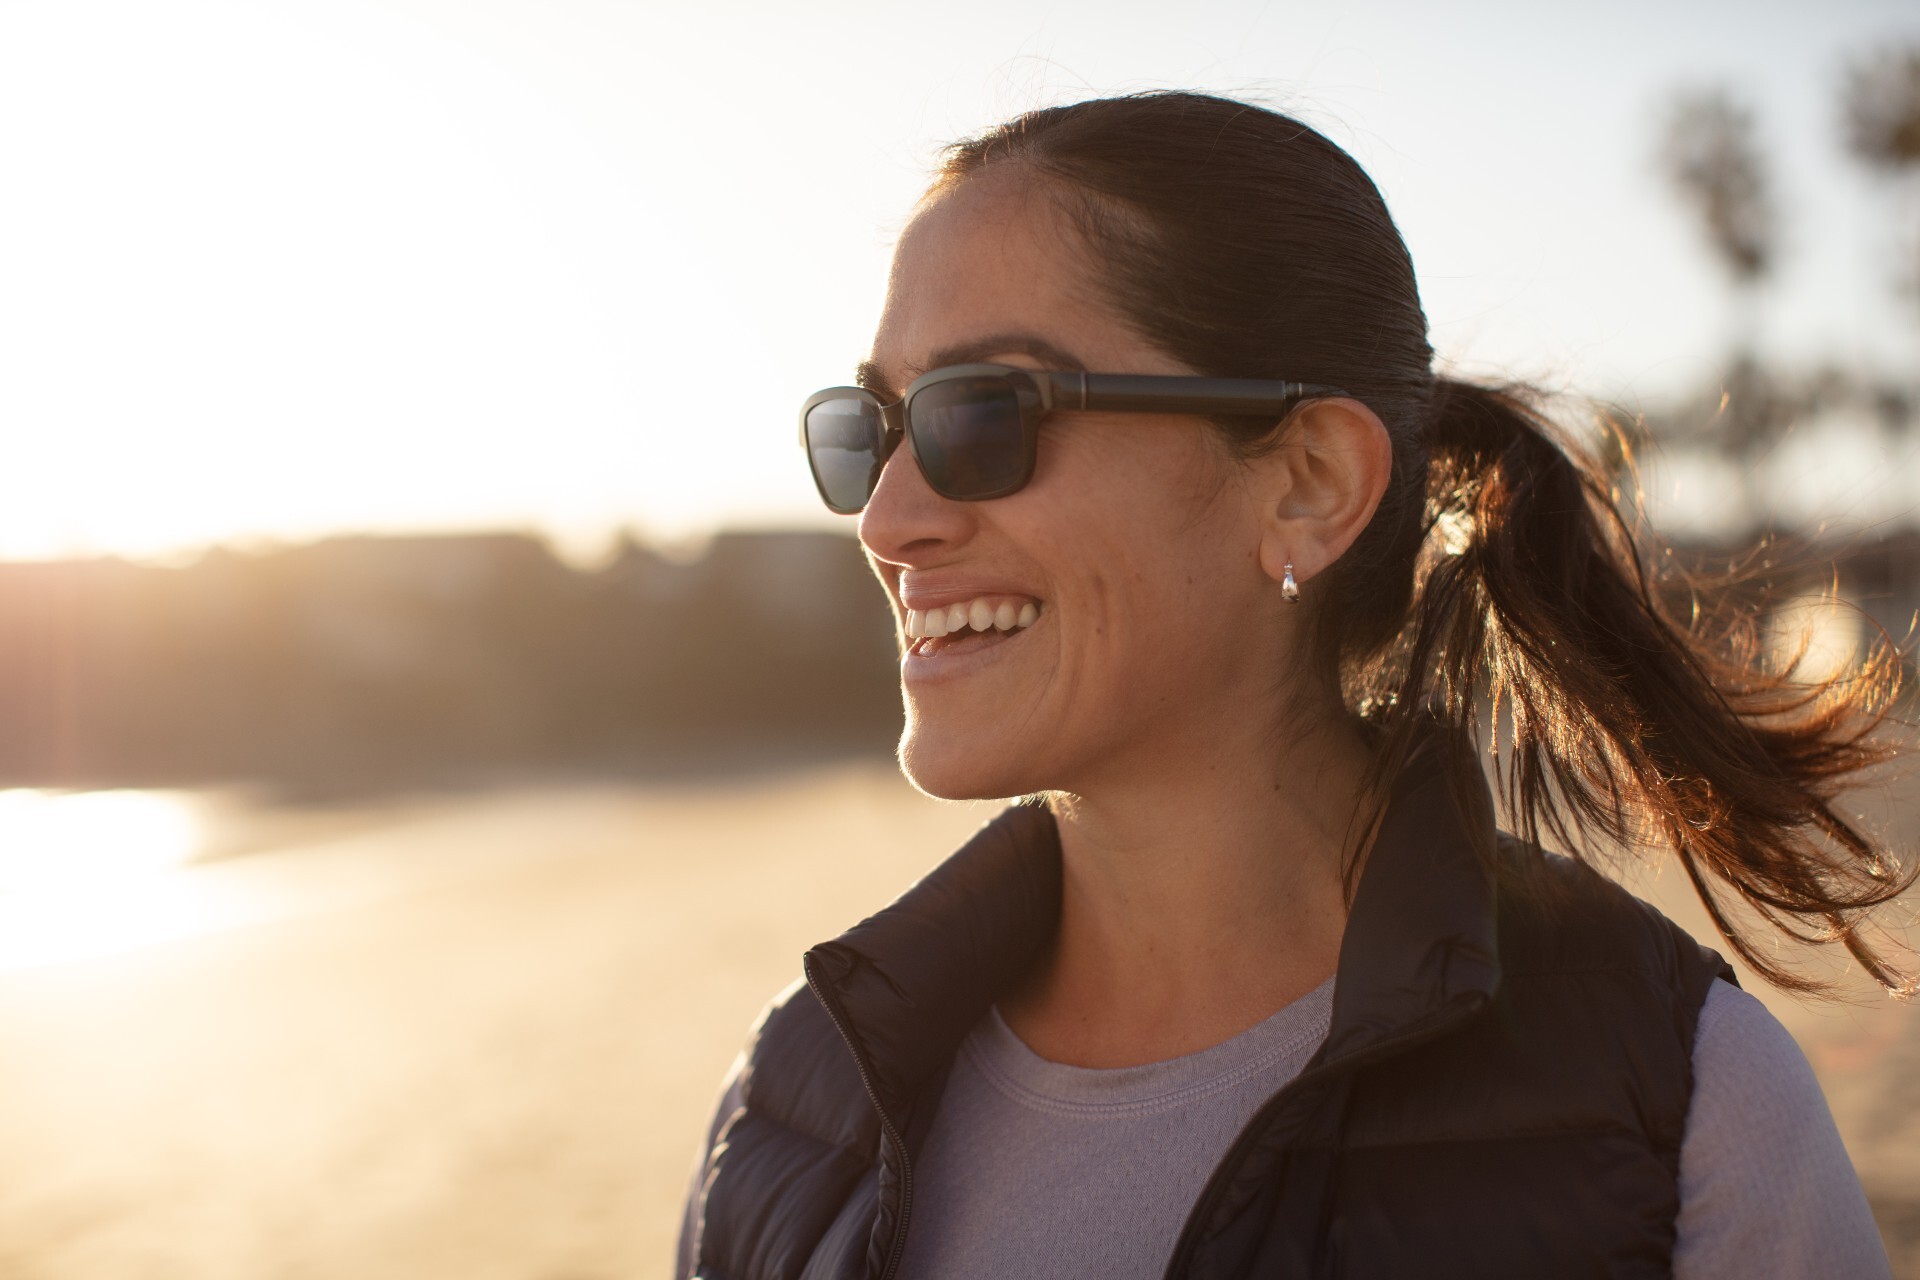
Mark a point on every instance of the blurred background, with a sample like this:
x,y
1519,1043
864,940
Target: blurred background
x,y
434,712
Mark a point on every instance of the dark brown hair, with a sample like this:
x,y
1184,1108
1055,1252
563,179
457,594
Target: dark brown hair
x,y
1499,567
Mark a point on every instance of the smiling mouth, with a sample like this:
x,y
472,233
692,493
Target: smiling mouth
x,y
969,624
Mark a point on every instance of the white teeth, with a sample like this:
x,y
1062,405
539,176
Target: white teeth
x,y
985,614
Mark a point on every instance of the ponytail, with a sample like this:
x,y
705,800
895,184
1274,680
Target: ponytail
x,y
1627,722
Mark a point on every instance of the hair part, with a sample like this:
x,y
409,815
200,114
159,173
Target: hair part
x,y
1499,578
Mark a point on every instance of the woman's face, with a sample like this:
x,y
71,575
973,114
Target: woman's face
x,y
1156,633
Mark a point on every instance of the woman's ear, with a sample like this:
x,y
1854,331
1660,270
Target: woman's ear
x,y
1320,486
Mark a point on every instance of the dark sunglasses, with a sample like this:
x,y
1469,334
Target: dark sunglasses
x,y
973,428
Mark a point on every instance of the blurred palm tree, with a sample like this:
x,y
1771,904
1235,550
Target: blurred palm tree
x,y
1711,154
1881,106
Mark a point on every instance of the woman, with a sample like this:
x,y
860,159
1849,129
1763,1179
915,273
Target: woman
x,y
1190,546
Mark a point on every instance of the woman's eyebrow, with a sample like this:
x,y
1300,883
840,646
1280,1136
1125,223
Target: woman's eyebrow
x,y
868,373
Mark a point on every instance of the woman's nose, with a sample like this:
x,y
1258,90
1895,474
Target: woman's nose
x,y
905,519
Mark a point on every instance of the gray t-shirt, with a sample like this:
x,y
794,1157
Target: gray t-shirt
x,y
1035,1168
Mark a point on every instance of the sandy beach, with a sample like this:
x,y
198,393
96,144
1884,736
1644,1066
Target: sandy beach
x,y
479,1035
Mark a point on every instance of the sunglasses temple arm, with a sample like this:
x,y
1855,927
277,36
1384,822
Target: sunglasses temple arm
x,y
1179,394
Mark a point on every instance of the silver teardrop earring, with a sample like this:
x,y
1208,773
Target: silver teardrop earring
x,y
1289,589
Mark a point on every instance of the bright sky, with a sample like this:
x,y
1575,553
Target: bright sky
x,y
277,269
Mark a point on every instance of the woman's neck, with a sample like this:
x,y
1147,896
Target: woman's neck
x,y
1199,896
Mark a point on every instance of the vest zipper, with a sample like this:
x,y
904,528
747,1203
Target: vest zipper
x,y
1202,1210
896,1248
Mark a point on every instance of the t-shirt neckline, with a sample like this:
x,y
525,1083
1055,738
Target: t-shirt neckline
x,y
1284,1038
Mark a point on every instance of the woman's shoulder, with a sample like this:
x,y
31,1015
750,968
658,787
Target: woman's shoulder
x,y
1766,1186
792,1091
1556,913
795,1073
793,1021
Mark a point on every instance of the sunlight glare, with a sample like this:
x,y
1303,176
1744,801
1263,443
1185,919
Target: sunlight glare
x,y
49,839
92,873
1821,631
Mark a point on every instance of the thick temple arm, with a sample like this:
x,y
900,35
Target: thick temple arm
x,y
1157,393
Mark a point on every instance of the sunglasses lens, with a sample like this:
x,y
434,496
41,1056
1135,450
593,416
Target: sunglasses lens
x,y
845,443
968,437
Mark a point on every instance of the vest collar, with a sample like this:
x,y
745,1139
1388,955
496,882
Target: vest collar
x,y
906,985
1420,939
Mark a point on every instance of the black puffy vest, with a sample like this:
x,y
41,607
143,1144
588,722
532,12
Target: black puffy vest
x,y
1502,1091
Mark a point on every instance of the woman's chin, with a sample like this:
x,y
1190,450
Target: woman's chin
x,y
952,766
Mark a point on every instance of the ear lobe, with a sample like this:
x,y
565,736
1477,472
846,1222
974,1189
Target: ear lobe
x,y
1327,478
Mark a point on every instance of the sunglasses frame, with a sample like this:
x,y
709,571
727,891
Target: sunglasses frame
x,y
1040,392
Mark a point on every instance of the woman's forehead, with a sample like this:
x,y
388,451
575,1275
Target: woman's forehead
x,y
984,269
980,242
